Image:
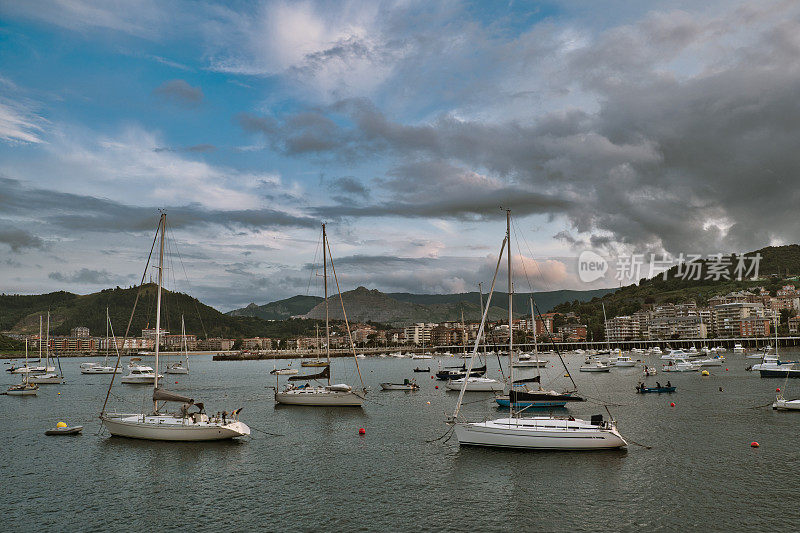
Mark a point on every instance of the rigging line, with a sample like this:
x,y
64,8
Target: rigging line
x,y
313,267
344,313
481,329
645,446
446,433
130,320
189,285
265,432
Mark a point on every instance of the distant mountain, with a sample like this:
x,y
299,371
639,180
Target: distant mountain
x,y
20,314
280,310
545,301
363,304
402,308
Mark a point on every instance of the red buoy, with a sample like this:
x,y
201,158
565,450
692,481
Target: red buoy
x,y
176,383
726,370
754,444
778,389
431,377
672,404
362,431
436,387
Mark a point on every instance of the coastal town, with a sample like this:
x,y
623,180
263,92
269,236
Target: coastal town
x,y
741,314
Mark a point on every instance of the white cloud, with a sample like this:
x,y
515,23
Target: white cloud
x,y
18,124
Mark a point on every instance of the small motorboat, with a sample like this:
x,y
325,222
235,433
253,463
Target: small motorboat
x,y
650,371
418,369
407,384
62,429
642,389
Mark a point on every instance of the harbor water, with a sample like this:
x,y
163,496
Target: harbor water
x,y
306,468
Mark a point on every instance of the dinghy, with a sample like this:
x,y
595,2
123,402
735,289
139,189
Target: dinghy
x,y
62,429
407,384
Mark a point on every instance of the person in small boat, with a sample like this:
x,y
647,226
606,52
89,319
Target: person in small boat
x,y
669,384
658,385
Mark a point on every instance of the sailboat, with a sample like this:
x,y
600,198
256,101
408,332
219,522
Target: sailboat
x,y
27,368
538,432
26,388
526,360
318,362
181,367
102,368
341,394
158,425
48,377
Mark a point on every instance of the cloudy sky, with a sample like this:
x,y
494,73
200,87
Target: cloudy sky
x,y
618,126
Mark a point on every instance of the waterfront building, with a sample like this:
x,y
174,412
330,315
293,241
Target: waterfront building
x,y
79,331
257,343
215,343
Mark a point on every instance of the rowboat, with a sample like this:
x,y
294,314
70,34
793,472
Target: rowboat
x,y
64,430
643,390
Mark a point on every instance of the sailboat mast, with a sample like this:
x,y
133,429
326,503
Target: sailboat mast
x,y
163,224
40,338
184,342
605,326
27,370
510,311
325,282
47,342
105,362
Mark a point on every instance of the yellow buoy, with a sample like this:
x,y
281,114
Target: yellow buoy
x,y
61,425
705,373
566,375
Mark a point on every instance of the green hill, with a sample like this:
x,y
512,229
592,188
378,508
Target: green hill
x,y
280,310
20,314
675,289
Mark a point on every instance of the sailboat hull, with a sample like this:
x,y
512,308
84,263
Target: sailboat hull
x,y
45,379
539,433
475,385
180,370
101,370
319,397
170,428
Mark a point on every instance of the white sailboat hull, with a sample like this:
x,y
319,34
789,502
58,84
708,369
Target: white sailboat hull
x,y
421,357
139,380
177,370
475,385
171,428
101,370
539,433
318,397
33,369
788,405
45,379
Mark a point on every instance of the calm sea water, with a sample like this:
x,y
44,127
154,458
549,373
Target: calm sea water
x,y
317,473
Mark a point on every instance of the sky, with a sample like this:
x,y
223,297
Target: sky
x,y
407,127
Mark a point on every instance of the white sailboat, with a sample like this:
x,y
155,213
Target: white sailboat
x,y
26,388
181,426
102,368
339,395
38,369
49,377
181,367
539,432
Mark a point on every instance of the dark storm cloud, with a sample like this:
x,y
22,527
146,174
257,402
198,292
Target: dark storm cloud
x,y
77,212
348,186
86,276
179,92
696,163
19,239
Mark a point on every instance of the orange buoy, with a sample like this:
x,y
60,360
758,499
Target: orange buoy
x,y
429,403
362,431
672,404
754,444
